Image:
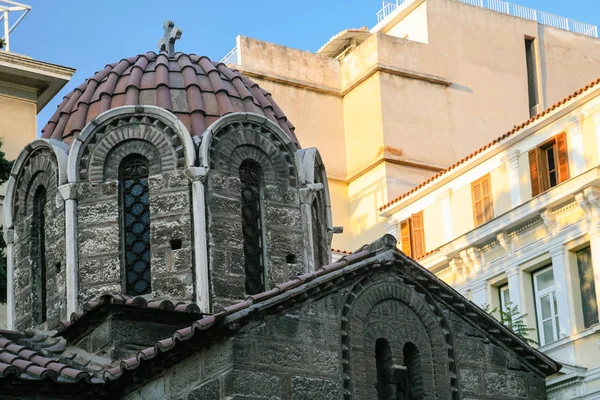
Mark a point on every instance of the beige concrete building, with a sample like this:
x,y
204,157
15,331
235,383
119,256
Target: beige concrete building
x,y
396,104
519,221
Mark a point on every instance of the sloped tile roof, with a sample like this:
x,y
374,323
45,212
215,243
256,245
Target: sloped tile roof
x,y
494,142
39,357
197,90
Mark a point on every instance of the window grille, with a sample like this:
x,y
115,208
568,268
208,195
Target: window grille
x,y
251,182
135,231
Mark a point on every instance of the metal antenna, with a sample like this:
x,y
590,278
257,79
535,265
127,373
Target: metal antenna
x,y
172,33
7,6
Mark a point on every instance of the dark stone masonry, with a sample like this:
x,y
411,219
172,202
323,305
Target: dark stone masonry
x,y
169,238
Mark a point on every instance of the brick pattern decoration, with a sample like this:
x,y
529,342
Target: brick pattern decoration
x,y
40,170
233,144
383,306
197,90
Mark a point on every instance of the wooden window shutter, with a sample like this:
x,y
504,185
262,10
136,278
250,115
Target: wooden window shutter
x,y
563,158
477,203
534,172
418,235
587,285
405,237
486,198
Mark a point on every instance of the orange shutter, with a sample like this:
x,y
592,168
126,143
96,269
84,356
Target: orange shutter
x,y
563,158
486,198
534,172
477,203
405,240
418,236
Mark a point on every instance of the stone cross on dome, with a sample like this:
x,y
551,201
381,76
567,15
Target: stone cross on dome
x,y
172,33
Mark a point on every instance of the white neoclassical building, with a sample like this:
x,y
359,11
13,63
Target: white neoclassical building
x,y
519,220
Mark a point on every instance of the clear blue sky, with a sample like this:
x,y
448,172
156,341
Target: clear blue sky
x,y
86,35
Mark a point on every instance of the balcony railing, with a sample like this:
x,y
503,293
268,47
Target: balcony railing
x,y
231,57
515,10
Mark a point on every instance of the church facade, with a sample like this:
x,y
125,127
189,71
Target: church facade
x,y
173,232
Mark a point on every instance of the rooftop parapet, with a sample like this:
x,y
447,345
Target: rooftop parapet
x,y
505,7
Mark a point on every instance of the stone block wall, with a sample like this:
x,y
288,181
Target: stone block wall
x,y
489,371
100,265
281,211
40,170
298,355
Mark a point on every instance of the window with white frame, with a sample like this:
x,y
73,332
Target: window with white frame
x,y
504,297
546,306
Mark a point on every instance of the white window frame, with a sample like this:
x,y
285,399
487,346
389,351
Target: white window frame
x,y
554,317
502,291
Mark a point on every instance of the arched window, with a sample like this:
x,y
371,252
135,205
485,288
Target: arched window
x,y
135,224
412,361
251,180
317,233
385,368
38,242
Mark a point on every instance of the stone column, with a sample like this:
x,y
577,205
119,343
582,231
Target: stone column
x,y
576,152
197,176
514,286
307,196
9,238
561,285
479,293
69,194
511,161
445,199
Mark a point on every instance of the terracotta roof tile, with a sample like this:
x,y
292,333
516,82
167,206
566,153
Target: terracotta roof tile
x,y
211,91
492,143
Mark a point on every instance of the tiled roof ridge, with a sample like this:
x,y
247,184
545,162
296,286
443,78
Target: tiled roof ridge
x,y
211,91
322,276
499,139
385,243
184,306
341,251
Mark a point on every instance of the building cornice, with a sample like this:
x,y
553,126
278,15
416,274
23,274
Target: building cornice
x,y
13,60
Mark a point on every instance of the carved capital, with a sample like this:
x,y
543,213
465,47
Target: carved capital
x,y
9,236
444,197
197,174
593,112
550,221
506,242
309,192
68,191
454,263
573,125
589,200
471,258
511,160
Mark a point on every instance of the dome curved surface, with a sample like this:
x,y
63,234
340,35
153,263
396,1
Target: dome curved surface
x,y
194,88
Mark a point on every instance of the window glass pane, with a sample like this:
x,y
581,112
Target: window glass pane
x,y
545,307
550,154
552,178
506,296
545,280
557,327
548,332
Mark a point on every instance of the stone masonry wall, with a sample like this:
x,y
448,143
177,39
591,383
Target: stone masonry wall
x,y
281,209
39,170
297,355
488,371
100,266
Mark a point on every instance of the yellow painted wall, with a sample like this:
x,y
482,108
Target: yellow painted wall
x,y
17,125
434,232
338,193
462,211
500,191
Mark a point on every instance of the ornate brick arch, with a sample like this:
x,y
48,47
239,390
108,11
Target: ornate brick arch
x,y
385,306
151,131
237,141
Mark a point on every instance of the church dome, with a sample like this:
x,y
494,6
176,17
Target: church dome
x,y
194,88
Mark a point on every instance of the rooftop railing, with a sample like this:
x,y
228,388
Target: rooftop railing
x,y
231,57
7,6
515,10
